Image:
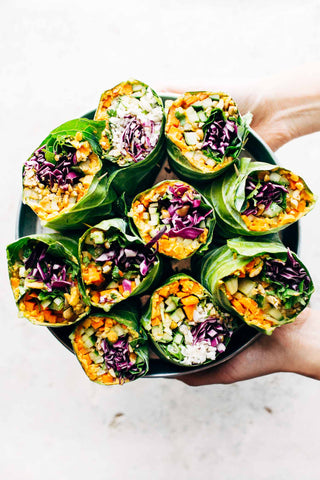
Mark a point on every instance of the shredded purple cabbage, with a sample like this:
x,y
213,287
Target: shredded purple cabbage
x,y
212,332
126,285
117,357
219,135
135,137
289,273
156,237
47,269
48,173
267,193
126,259
184,226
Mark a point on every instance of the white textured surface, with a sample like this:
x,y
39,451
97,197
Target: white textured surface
x,y
56,59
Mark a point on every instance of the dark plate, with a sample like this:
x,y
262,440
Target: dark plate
x,y
256,148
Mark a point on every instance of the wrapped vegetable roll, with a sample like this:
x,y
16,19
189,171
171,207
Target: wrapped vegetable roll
x,y
134,118
64,180
111,348
45,279
114,265
264,283
133,138
177,216
205,134
184,325
258,198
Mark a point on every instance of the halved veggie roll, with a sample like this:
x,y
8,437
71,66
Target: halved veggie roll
x,y
111,348
64,180
205,134
258,199
184,325
115,265
175,214
45,279
264,283
134,118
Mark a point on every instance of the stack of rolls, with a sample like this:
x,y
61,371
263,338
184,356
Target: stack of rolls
x,y
179,265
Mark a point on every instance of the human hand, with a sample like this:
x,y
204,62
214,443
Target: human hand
x,y
291,348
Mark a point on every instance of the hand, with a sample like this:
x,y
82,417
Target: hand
x,y
291,348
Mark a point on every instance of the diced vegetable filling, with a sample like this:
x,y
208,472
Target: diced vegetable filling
x,y
113,267
47,286
172,211
274,198
204,126
185,322
134,119
54,182
268,291
108,350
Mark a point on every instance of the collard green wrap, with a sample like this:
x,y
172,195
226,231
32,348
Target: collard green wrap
x,y
263,282
45,278
184,325
205,134
65,181
133,138
111,348
115,265
175,214
256,198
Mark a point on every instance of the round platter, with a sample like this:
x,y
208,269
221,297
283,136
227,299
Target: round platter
x,y
28,224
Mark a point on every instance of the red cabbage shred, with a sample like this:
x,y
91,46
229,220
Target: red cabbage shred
x,y
212,332
47,269
59,173
266,194
117,357
289,273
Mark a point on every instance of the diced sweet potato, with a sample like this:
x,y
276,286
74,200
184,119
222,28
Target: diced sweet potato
x,y
155,321
15,282
97,322
190,300
91,275
49,316
189,310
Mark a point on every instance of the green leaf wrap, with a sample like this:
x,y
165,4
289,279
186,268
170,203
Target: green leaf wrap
x,y
116,228
227,195
205,207
100,193
179,150
58,246
162,343
130,177
217,266
127,314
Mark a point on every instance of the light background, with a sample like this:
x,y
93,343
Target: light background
x,y
56,59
